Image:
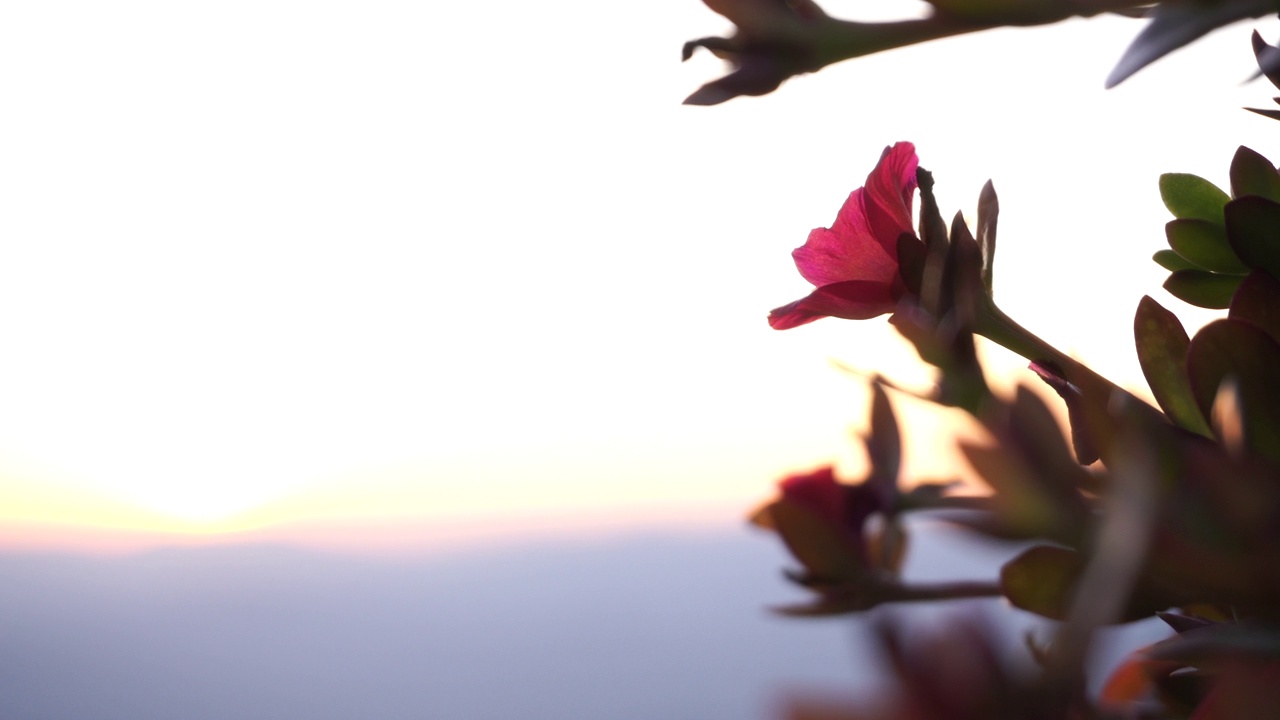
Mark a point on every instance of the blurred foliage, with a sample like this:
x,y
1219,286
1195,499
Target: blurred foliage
x,y
774,40
1128,513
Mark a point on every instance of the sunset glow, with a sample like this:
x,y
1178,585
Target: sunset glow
x,y
300,278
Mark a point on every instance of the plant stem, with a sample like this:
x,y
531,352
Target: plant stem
x,y
1001,329
945,591
1092,400
838,40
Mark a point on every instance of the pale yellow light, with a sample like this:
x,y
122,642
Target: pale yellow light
x,y
325,286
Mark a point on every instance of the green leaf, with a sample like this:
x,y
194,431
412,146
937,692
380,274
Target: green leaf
x,y
1202,288
1257,302
1235,349
1204,244
1192,197
1252,174
1172,261
1162,345
1041,580
1253,228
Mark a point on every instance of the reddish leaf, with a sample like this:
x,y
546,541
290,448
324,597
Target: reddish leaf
x,y
1034,432
1082,440
1023,506
1252,174
911,259
1244,690
1162,346
1257,302
884,445
1268,58
933,231
1253,227
988,214
1239,350
823,548
962,277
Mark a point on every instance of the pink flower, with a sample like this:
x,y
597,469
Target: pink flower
x,y
854,263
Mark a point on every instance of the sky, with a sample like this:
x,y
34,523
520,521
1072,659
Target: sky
x,y
384,273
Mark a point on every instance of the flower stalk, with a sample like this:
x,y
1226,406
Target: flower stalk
x,y
993,324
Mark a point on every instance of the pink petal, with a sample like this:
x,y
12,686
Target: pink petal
x,y
862,243
847,250
889,191
852,300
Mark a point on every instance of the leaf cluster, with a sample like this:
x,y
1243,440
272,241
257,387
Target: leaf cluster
x,y
1137,512
1132,511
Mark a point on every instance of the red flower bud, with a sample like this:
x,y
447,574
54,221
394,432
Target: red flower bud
x,y
823,521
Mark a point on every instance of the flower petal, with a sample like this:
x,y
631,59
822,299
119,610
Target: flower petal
x,y
889,191
862,243
847,250
852,300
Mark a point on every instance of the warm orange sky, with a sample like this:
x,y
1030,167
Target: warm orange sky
x,y
280,262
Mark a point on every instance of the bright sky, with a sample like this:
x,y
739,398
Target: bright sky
x,y
426,266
